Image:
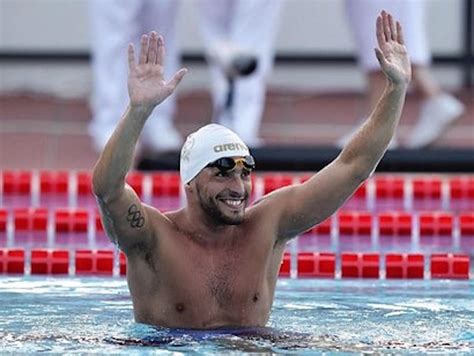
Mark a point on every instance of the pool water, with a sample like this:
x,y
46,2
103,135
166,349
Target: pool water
x,y
72,315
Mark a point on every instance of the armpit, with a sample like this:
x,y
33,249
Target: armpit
x,y
145,253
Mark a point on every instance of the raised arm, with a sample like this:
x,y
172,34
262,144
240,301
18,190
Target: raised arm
x,y
125,218
307,204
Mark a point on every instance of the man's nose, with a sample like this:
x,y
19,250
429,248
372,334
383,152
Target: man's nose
x,y
237,186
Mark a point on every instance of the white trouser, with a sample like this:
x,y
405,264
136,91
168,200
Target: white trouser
x,y
114,24
252,25
362,15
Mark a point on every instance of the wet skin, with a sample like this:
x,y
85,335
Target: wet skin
x,y
216,267
210,264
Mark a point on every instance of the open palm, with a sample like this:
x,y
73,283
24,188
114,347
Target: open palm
x,y
392,53
146,83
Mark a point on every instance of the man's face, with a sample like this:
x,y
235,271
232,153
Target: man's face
x,y
224,195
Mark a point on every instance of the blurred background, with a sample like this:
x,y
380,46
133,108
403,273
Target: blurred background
x,y
314,94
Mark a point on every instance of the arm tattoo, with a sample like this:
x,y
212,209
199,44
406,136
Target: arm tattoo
x,y
135,217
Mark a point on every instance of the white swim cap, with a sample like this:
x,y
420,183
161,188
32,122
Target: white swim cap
x,y
206,145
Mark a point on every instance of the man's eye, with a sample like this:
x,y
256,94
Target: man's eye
x,y
222,174
246,173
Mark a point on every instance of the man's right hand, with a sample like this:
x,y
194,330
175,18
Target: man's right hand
x,y
146,84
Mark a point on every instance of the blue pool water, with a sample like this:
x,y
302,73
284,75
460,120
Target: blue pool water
x,y
69,315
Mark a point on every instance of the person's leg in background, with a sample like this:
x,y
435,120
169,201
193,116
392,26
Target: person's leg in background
x,y
438,109
255,27
251,25
159,133
113,24
215,20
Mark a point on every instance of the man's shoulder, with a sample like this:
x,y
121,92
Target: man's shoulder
x,y
261,209
163,218
267,203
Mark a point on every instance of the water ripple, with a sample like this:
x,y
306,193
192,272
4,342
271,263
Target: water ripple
x,y
74,315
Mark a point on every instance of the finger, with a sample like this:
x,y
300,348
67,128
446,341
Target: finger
x,y
143,49
173,83
393,30
153,47
160,58
131,57
400,38
380,57
380,34
386,26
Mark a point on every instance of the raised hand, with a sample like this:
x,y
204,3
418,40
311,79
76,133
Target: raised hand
x,y
392,54
146,83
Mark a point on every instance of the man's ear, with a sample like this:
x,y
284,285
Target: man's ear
x,y
188,187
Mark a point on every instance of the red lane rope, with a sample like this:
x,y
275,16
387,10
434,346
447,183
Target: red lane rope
x,y
95,262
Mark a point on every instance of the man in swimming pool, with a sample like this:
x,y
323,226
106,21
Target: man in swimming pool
x,y
215,262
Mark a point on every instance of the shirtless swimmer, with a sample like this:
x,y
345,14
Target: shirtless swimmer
x,y
215,263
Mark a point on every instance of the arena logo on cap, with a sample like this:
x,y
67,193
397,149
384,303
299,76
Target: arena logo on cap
x,y
229,147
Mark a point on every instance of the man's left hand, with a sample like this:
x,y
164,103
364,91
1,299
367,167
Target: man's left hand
x,y
392,54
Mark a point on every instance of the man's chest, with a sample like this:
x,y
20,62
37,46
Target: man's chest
x,y
215,288
225,278
228,275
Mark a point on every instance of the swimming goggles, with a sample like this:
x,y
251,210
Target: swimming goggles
x,y
229,163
